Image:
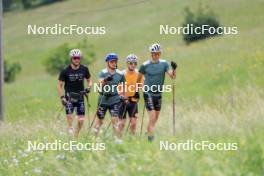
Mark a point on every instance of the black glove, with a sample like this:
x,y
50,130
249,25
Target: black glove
x,y
173,65
108,78
87,90
137,95
64,101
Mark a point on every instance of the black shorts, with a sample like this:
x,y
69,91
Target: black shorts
x,y
131,108
152,102
79,106
113,109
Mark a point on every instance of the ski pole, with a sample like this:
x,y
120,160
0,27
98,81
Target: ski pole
x,y
174,66
88,107
58,115
142,120
109,124
173,107
95,114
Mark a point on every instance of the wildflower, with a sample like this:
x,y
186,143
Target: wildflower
x,y
60,156
37,170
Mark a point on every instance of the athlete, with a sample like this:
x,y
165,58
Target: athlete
x,y
109,98
72,77
154,72
131,106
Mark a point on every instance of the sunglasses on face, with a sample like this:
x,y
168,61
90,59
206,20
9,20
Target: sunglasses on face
x,y
76,58
132,63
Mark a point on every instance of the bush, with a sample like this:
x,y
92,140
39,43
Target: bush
x,y
25,4
35,3
10,71
43,2
59,57
7,5
199,20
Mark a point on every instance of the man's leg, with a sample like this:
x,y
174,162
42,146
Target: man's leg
x,y
122,117
70,121
69,114
99,122
122,123
152,121
81,114
132,111
133,125
154,115
115,125
157,107
79,124
115,114
150,108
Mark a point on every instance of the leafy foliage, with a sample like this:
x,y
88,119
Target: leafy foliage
x,y
197,20
59,57
10,71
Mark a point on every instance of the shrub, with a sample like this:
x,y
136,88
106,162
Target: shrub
x,y
10,71
198,20
25,4
35,3
59,57
7,5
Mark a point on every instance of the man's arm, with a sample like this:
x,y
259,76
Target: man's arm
x,y
139,78
89,82
88,78
103,81
141,72
172,74
59,88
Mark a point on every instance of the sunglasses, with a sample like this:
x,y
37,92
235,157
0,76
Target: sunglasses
x,y
76,58
132,63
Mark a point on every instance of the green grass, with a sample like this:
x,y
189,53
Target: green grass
x,y
238,123
133,29
212,94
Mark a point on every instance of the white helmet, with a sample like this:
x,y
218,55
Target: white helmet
x,y
131,58
75,53
155,48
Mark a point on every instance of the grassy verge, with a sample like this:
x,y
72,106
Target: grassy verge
x,y
236,119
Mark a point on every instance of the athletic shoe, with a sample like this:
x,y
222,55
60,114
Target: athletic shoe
x,y
95,130
117,140
70,131
150,138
